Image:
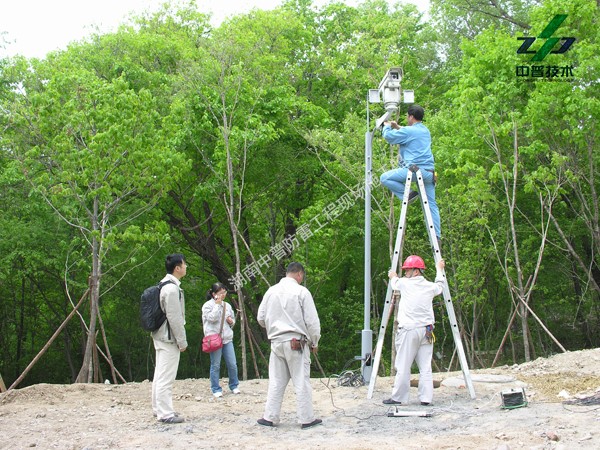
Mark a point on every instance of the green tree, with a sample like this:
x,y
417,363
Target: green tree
x,y
564,141
491,109
93,149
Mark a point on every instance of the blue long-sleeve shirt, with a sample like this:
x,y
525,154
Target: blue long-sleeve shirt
x,y
415,144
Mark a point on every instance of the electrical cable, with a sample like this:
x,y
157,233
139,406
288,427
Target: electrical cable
x,y
591,400
353,385
587,410
350,377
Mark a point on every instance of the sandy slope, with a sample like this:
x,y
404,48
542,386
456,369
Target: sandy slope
x,y
106,416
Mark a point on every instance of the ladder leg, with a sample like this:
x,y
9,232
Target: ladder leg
x,y
388,296
446,292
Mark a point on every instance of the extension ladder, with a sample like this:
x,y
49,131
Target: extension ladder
x,y
446,292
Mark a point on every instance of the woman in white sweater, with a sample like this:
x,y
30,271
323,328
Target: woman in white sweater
x,y
212,313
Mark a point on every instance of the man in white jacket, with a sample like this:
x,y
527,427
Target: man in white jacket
x,y
414,338
290,317
169,340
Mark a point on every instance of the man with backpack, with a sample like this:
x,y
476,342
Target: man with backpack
x,y
169,340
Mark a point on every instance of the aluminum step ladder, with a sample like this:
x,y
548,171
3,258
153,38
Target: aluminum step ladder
x,y
387,310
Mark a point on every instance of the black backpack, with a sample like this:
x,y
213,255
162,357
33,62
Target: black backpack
x,y
151,314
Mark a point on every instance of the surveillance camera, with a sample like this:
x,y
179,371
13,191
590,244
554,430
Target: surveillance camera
x,y
390,89
392,79
389,92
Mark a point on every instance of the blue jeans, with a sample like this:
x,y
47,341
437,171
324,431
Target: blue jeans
x,y
228,353
394,180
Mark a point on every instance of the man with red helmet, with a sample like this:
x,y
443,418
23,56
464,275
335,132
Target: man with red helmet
x,y
414,338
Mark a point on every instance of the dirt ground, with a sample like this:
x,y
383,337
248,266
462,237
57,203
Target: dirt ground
x,y
562,412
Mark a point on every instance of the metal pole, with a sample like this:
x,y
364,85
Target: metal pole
x,y
367,333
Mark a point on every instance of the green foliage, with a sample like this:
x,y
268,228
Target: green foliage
x,y
158,137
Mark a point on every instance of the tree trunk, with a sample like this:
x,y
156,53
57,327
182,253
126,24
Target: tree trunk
x,y
244,333
231,209
86,372
21,328
474,337
108,355
515,247
525,331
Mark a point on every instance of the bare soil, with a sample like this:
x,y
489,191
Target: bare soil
x,y
562,412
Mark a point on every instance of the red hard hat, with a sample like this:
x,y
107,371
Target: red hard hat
x,y
414,262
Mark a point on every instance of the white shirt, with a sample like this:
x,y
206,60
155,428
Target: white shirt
x,y
288,311
416,299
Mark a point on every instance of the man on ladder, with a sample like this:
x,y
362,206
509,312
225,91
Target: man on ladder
x,y
414,337
415,150
417,160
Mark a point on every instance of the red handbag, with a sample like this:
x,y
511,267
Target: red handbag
x,y
214,342
211,343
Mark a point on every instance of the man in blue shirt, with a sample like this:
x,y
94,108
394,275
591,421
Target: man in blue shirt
x,y
415,150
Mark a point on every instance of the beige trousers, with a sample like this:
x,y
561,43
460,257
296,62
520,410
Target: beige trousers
x,y
412,346
165,372
286,364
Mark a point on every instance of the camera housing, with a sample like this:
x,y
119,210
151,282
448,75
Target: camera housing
x,y
389,89
390,92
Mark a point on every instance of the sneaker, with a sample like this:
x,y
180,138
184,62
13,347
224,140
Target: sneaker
x,y
217,394
312,424
173,419
264,422
426,404
412,196
236,391
390,401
